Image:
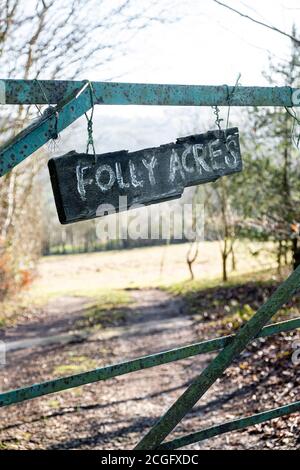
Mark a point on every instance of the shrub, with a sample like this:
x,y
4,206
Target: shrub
x,y
6,274
13,277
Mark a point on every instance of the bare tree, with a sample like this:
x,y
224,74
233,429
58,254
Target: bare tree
x,y
53,39
191,257
193,250
261,23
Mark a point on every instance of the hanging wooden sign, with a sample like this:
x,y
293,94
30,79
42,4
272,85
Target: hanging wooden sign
x,y
87,186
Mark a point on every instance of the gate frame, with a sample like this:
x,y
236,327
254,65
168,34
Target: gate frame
x,y
73,99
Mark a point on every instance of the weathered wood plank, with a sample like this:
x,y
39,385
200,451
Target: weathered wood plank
x,y
88,186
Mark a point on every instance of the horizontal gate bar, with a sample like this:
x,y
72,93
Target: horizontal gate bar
x,y
229,426
116,93
104,373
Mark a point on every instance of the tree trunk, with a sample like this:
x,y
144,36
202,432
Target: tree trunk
x,y
191,259
189,263
296,253
286,250
224,266
233,260
279,255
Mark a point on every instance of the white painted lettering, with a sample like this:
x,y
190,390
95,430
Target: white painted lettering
x,y
175,165
81,183
150,167
112,177
216,155
198,150
185,154
231,158
133,175
121,183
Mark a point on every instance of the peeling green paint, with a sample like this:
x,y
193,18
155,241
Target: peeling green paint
x,y
71,106
233,425
114,93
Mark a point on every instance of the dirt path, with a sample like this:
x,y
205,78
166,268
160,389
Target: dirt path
x,y
116,413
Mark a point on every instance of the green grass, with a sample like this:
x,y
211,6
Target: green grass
x,y
103,278
70,369
107,309
106,306
75,365
224,306
189,287
11,309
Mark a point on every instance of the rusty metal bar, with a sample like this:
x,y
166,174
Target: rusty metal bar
x,y
234,425
116,93
70,106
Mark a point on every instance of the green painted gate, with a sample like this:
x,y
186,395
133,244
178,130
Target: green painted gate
x,y
72,100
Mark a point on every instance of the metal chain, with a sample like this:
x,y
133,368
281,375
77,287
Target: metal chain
x,y
48,111
90,140
218,120
229,96
216,111
296,122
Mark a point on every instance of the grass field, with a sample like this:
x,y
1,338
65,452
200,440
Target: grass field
x,y
87,274
107,277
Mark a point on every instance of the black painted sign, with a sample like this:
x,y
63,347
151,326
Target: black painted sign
x,y
87,186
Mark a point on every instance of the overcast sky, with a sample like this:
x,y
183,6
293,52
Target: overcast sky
x,y
208,45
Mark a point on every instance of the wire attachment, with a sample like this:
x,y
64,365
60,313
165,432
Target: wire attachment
x,y
90,140
51,110
216,110
230,95
296,122
218,120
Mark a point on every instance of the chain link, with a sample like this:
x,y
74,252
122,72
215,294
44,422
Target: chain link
x,y
51,110
218,120
296,122
90,140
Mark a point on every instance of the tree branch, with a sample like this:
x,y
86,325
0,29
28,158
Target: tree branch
x,y
273,28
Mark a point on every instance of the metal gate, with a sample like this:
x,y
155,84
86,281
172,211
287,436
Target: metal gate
x,y
73,100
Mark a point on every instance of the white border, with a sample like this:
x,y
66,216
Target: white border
x,y
296,97
2,92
